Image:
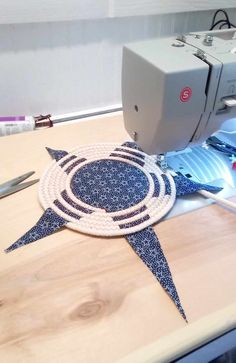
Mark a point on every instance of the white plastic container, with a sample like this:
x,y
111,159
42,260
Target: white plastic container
x,y
16,124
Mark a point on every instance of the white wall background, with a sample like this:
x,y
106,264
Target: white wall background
x,y
67,66
15,11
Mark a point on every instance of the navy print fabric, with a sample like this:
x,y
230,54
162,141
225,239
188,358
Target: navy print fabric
x,y
167,184
131,214
130,152
49,223
110,184
186,186
63,163
128,157
66,197
56,154
132,145
147,246
156,185
72,166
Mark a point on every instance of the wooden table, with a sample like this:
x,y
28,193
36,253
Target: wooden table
x,y
75,298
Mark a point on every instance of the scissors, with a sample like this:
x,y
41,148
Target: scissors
x,y
13,185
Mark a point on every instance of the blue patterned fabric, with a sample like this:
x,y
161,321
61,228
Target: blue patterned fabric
x,y
186,186
147,246
135,223
138,155
167,184
112,185
132,145
128,157
66,197
63,163
49,223
56,154
60,206
73,165
156,192
130,214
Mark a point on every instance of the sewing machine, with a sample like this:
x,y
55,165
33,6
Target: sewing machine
x,y
176,93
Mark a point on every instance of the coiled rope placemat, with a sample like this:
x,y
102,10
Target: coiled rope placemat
x,y
111,190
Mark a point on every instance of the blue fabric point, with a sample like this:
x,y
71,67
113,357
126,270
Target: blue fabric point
x,y
49,223
186,186
147,246
56,154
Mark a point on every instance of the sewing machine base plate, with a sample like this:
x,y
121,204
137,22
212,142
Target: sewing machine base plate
x,y
204,166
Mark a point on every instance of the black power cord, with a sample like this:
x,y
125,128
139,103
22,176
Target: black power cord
x,y
222,22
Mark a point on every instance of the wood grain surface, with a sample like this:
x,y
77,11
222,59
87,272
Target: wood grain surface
x,y
75,298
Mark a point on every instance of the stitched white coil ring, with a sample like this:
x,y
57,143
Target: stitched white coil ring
x,y
60,191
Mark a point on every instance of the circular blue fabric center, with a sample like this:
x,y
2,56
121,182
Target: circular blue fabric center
x,y
109,184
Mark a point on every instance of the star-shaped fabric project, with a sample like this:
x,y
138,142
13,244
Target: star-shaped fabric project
x,y
111,190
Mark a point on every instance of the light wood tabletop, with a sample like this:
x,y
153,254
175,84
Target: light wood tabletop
x,y
71,297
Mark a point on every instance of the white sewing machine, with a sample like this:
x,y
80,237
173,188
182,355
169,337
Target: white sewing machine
x,y
178,92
